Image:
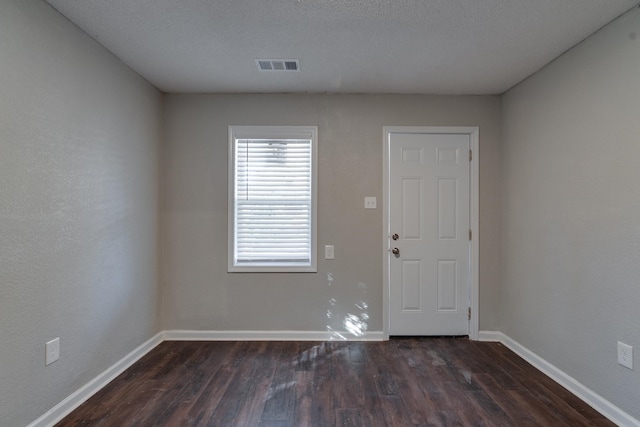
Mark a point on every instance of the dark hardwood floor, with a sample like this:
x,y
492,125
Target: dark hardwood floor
x,y
401,382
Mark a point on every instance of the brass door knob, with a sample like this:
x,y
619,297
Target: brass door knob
x,y
395,251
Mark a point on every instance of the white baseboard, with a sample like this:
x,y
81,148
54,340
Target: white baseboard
x,y
75,399
490,336
181,335
597,402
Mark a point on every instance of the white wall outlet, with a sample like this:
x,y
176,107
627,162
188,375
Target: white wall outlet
x,y
369,202
328,252
52,351
625,355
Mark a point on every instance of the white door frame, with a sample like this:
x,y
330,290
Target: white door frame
x,y
474,192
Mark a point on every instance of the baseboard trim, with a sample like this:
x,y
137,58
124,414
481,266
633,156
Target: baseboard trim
x,y
490,336
597,402
77,398
187,335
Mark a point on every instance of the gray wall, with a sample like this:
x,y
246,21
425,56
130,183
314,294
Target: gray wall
x,y
198,293
571,211
79,199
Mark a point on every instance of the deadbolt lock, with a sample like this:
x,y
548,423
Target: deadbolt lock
x,y
395,236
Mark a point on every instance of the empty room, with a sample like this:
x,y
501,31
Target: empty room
x,y
319,212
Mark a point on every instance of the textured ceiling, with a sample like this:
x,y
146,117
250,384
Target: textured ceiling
x,y
362,46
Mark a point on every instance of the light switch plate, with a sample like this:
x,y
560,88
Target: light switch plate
x,y
369,202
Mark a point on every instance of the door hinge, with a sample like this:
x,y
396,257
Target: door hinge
x,y
469,313
470,155
470,234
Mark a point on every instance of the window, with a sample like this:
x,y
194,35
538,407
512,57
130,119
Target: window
x,y
272,198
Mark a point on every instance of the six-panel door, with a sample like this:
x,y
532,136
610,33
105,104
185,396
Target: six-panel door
x,y
429,210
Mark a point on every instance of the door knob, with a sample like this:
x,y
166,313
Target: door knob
x,y
395,251
395,236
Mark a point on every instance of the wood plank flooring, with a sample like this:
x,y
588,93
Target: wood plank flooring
x,y
400,382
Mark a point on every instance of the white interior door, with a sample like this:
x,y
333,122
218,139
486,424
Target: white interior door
x,y
429,223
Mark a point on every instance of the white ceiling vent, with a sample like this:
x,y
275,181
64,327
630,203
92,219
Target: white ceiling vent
x,y
278,64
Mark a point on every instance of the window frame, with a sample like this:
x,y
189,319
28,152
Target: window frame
x,y
271,132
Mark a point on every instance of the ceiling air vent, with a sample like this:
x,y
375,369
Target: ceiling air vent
x,y
278,64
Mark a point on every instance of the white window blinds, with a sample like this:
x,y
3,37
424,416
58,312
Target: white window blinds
x,y
273,202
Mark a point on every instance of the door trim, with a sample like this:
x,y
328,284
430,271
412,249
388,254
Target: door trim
x,y
474,192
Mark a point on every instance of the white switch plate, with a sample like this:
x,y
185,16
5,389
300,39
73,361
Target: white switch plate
x,y
52,351
625,355
369,202
328,252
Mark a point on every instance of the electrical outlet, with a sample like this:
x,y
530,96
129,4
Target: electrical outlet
x,y
52,351
625,355
328,252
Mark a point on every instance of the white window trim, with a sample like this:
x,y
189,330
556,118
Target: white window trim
x,y
262,132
